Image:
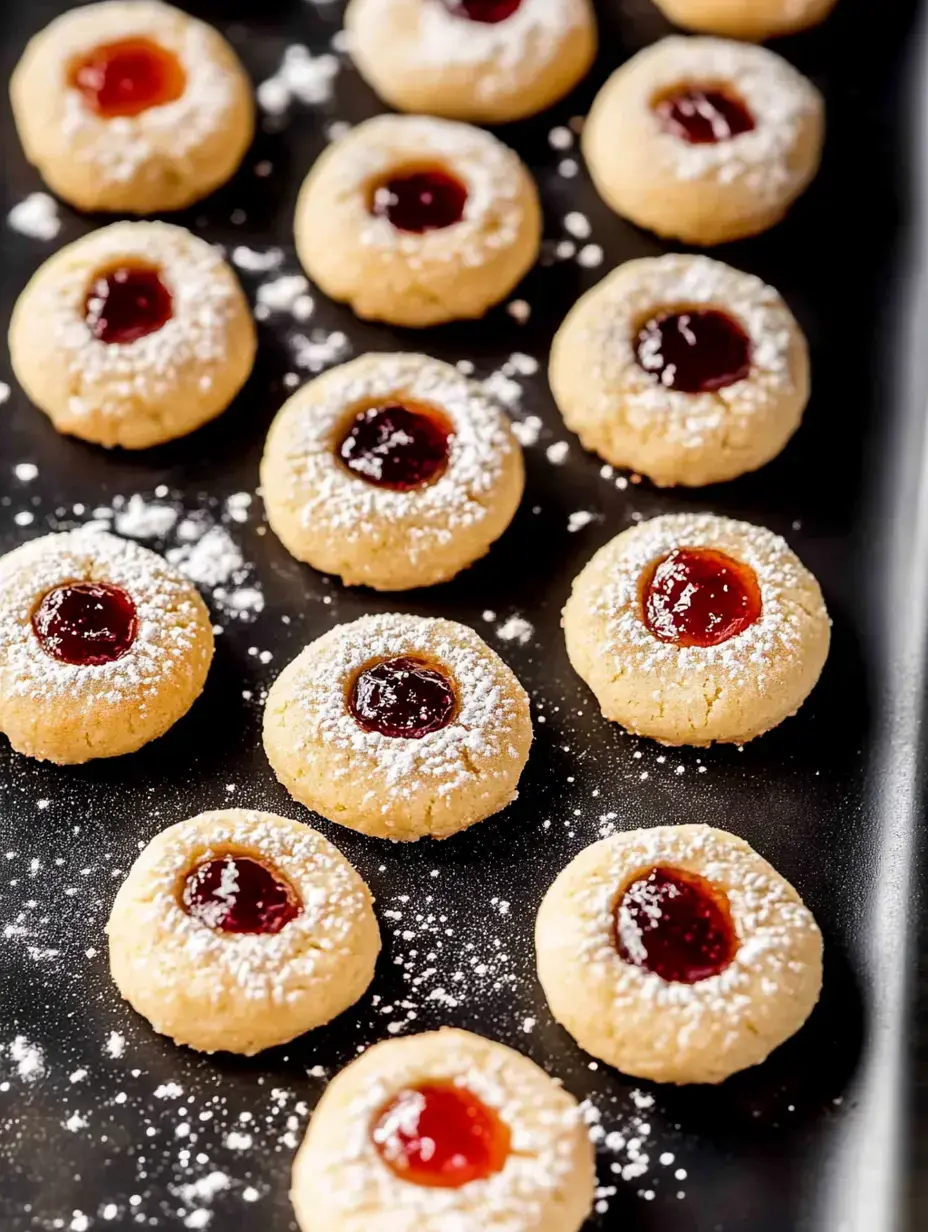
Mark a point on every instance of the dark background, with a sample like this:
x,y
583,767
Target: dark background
x,y
830,1134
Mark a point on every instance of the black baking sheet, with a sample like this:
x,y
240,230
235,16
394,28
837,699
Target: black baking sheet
x,y
827,1135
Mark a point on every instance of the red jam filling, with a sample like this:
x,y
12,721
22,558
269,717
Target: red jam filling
x,y
700,597
677,925
127,77
487,11
441,1136
237,894
420,201
396,446
403,697
86,623
696,352
127,303
703,116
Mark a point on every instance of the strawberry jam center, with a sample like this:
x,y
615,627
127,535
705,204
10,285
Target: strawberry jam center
x,y
127,304
700,597
403,697
487,11
703,116
127,77
677,925
396,446
237,894
695,352
441,1136
420,201
86,624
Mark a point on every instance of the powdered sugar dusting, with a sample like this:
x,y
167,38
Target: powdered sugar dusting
x,y
35,216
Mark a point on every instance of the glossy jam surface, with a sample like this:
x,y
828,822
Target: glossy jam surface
x,y
441,1136
703,116
238,894
700,597
695,352
403,697
128,77
86,623
127,303
677,925
396,446
420,201
487,11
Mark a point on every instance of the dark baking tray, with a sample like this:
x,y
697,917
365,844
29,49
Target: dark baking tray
x,y
830,1134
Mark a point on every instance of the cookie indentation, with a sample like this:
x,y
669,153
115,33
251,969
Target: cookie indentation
x,y
488,12
420,200
86,623
403,697
397,446
697,351
240,894
128,77
128,303
704,115
441,1136
700,597
675,924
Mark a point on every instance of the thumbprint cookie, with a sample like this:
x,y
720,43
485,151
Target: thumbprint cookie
x,y
452,1131
746,19
486,61
400,727
417,221
132,107
677,954
683,369
693,628
704,140
132,336
236,931
103,646
391,471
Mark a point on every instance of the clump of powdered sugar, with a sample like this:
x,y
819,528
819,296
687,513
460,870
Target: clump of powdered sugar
x,y
302,77
35,216
28,1058
515,629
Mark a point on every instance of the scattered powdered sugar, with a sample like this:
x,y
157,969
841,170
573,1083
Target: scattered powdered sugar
x,y
557,453
255,261
4,392
302,77
28,1058
115,1045
516,629
25,472
577,521
288,293
140,519
35,216
320,349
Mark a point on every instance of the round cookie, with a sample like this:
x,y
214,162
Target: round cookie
x,y
681,368
746,19
134,335
236,931
677,954
704,140
132,107
693,628
392,471
485,61
103,646
400,727
417,221
450,1129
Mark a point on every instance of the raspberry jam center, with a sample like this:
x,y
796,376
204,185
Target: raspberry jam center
x,y
237,894
420,201
127,303
402,697
86,624
703,116
396,446
127,77
487,11
677,925
441,1136
700,597
696,352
